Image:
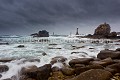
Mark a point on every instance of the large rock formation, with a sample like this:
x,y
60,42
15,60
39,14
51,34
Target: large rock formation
x,y
42,33
103,29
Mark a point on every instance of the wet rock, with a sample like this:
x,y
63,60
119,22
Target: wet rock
x,y
41,73
31,60
44,54
55,69
0,75
44,72
118,49
57,76
79,70
3,68
91,48
58,59
80,61
7,79
21,46
79,65
104,62
5,60
93,74
115,67
108,53
68,71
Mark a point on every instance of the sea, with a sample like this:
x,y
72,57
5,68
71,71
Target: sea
x,y
34,48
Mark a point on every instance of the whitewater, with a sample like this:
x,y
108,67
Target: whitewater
x,y
40,51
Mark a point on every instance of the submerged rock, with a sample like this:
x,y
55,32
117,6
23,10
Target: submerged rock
x,y
20,46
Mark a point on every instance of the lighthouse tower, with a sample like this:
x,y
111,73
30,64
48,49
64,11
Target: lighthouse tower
x,y
77,32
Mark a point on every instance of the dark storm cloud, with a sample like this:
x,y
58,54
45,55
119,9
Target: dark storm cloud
x,y
22,16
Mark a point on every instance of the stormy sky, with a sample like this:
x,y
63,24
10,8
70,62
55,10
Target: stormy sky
x,y
23,17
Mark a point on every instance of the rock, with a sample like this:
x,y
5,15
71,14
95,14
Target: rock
x,y
83,69
68,71
103,29
41,73
108,53
21,46
115,67
57,76
7,79
93,74
44,72
5,60
42,33
80,61
79,65
0,75
44,54
3,68
112,35
118,49
58,59
31,60
55,69
104,62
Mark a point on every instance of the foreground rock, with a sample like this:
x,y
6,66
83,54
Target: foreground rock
x,y
80,61
109,53
3,68
41,73
93,74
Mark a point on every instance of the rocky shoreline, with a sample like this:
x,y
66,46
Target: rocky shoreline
x,y
105,67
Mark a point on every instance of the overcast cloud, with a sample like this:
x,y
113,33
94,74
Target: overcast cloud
x,y
60,16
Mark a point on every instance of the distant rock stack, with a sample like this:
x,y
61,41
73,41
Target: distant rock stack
x,y
77,32
42,33
103,29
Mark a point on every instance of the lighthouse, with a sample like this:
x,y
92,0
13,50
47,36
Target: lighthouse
x,y
77,32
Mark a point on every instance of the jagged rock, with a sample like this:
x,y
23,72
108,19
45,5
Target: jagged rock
x,y
80,61
3,68
103,29
93,74
108,53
